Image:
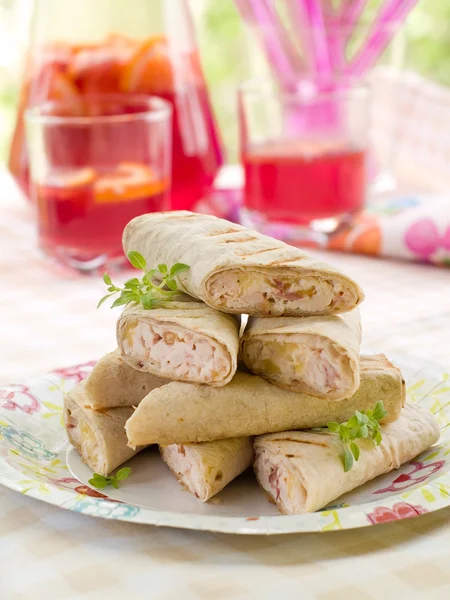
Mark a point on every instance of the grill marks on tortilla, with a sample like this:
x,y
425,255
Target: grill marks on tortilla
x,y
224,232
284,260
310,442
260,251
240,240
251,238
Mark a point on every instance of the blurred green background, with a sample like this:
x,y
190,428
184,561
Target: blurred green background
x,y
229,54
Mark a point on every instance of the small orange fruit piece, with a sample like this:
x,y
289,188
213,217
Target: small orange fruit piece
x,y
149,70
129,181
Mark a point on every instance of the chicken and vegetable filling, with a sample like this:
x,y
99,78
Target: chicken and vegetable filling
x,y
283,487
188,469
85,441
305,363
257,292
175,353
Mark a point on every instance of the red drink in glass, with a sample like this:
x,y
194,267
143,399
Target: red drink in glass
x,y
86,211
299,183
95,165
304,159
121,65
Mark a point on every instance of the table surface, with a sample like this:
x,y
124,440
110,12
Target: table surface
x,y
48,319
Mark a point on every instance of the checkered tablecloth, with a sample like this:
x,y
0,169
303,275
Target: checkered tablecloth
x,y
48,319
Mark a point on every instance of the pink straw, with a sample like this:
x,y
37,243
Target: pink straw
x,y
261,16
388,20
350,13
319,46
335,41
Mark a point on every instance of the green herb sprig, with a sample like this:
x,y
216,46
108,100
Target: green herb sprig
x,y
149,290
361,426
100,482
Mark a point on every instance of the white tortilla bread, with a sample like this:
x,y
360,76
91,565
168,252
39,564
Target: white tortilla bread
x,y
316,355
98,436
302,471
237,270
181,340
205,469
113,383
249,405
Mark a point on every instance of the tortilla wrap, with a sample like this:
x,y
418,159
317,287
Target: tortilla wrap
x,y
316,355
238,270
182,340
302,471
250,405
205,469
98,437
112,383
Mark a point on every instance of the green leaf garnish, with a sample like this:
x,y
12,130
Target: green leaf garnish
x,y
178,268
104,299
156,285
100,482
123,473
363,425
348,460
137,260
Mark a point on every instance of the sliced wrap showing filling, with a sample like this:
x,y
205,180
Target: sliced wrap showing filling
x,y
98,437
183,340
302,471
238,270
263,291
316,355
205,469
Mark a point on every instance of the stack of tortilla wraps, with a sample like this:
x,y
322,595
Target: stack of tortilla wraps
x,y
217,394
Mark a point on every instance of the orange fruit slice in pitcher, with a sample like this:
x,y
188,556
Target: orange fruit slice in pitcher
x,y
130,181
98,70
149,70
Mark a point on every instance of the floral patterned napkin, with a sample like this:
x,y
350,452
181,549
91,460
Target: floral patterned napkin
x,y
408,227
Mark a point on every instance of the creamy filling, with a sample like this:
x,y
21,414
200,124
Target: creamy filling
x,y
245,290
182,461
176,353
308,363
280,483
84,440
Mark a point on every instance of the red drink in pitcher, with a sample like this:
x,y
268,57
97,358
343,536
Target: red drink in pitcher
x,y
121,65
298,182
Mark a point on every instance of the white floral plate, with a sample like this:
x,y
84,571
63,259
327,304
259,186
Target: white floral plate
x,y
34,460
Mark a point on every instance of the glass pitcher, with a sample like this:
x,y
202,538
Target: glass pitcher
x,y
135,47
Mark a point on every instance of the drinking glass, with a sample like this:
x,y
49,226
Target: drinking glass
x,y
95,164
304,156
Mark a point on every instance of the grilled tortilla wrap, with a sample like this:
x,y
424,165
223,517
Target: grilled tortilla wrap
x,y
183,340
237,270
112,383
205,469
302,471
98,436
316,355
250,405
